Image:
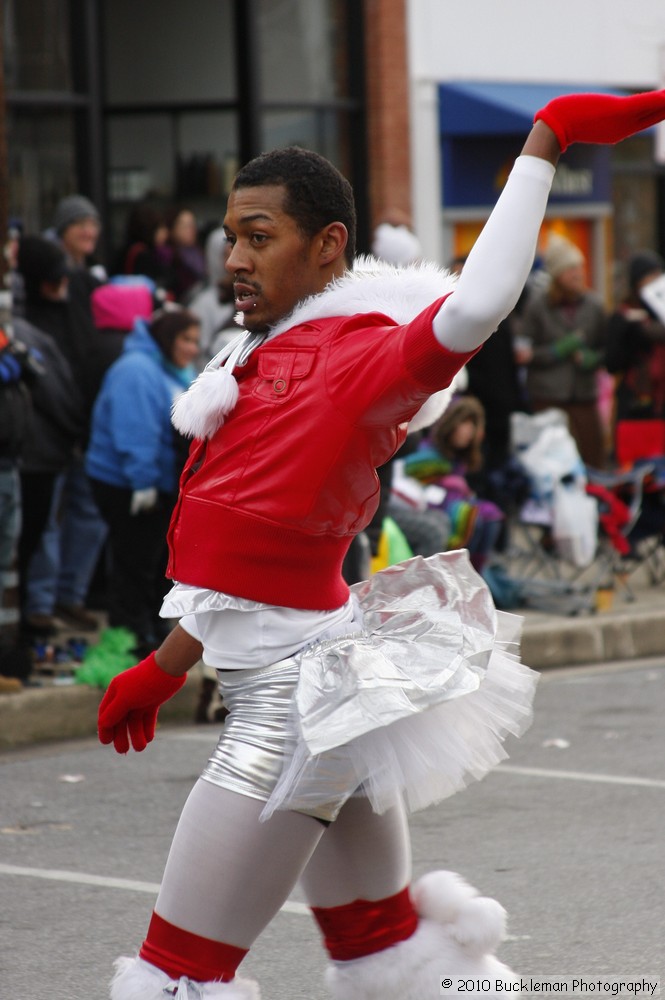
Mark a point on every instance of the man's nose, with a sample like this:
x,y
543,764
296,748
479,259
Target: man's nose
x,y
237,260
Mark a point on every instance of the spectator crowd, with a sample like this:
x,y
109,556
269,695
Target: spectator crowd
x,y
93,361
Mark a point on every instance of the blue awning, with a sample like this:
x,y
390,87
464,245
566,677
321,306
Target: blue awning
x,y
474,109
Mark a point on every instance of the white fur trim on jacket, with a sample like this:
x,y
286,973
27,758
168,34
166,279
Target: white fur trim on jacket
x,y
373,286
456,937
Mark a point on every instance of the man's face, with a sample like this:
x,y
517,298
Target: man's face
x,y
572,281
80,238
274,265
225,283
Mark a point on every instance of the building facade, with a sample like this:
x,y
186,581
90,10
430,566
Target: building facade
x,y
478,73
422,104
124,101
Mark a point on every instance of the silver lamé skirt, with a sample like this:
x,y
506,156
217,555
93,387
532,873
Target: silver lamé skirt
x,y
416,704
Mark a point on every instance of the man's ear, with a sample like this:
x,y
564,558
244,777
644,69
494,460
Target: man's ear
x,y
334,238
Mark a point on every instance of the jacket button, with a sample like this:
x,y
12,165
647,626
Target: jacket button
x,y
279,385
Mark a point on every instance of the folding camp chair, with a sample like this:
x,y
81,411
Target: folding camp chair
x,y
549,576
632,523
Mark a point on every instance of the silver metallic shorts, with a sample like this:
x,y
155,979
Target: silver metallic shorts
x,y
415,700
258,735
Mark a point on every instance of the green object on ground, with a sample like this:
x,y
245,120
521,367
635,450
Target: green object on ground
x,y
110,656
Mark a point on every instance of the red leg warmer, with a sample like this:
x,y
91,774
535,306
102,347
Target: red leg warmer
x,y
181,953
366,926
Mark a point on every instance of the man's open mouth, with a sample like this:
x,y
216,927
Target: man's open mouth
x,y
245,297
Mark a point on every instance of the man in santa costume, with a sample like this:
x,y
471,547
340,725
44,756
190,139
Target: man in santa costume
x,y
345,708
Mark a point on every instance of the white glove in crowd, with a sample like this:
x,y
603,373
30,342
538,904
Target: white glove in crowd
x,y
143,500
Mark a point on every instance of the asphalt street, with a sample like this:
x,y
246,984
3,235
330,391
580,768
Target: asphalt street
x,y
567,834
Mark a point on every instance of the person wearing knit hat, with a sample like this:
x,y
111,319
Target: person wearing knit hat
x,y
72,209
635,355
643,266
561,255
64,563
346,708
77,226
566,326
41,262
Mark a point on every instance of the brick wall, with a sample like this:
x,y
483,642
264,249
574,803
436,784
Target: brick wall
x,y
389,165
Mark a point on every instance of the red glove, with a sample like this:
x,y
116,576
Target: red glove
x,y
601,117
129,708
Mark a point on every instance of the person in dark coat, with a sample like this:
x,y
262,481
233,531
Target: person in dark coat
x,y
54,431
494,378
19,370
635,351
57,302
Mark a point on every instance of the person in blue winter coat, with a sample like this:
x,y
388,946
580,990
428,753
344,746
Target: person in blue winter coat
x,y
134,459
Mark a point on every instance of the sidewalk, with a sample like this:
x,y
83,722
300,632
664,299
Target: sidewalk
x,y
629,630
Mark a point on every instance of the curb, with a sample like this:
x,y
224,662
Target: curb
x,y
38,715
637,635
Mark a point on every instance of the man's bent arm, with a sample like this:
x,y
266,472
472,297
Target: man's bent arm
x,y
178,653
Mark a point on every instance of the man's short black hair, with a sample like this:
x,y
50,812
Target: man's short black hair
x,y
316,192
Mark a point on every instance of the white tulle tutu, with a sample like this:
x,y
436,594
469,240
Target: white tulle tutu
x,y
418,704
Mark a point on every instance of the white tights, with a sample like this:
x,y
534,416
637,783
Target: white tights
x,y
228,874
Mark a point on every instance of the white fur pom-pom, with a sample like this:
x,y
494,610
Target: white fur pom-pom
x,y
481,926
199,412
476,922
441,895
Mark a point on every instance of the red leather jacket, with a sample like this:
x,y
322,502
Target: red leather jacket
x,y
268,506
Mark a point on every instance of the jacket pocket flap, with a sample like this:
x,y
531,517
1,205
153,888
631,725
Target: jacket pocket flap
x,y
285,364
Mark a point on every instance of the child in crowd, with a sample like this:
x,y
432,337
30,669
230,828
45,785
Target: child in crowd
x,y
450,453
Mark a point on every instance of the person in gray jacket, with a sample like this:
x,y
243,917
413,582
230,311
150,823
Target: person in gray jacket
x,y
566,324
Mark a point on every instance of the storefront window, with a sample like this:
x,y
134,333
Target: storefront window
x,y
37,45
171,121
162,51
324,130
123,100
42,166
303,47
635,200
182,108
179,157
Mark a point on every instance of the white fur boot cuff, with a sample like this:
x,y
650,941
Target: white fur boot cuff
x,y
138,980
456,938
